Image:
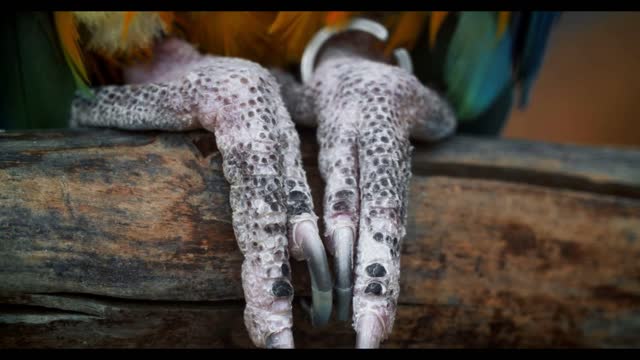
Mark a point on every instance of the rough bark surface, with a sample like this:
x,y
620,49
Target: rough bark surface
x,y
119,239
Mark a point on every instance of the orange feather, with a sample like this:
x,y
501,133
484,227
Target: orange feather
x,y
503,21
337,18
437,18
128,17
69,37
294,29
167,17
230,33
406,31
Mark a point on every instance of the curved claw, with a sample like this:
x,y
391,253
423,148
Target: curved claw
x,y
307,63
321,284
344,242
369,331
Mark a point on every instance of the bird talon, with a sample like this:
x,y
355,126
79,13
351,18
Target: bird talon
x,y
318,265
344,242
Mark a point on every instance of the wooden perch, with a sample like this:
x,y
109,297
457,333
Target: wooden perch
x,y
119,239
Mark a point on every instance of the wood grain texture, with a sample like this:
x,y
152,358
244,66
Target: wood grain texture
x,y
118,239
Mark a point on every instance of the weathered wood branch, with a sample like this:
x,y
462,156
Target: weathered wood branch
x,y
117,239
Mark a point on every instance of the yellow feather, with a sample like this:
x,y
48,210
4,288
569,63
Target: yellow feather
x,y
437,18
106,30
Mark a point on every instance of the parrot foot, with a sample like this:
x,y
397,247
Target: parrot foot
x,y
344,241
272,208
366,111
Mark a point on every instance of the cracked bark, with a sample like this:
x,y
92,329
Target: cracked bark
x,y
119,239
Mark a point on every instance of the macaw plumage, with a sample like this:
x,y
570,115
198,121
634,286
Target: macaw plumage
x,y
477,59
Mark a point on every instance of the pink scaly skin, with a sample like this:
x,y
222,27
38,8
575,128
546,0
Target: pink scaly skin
x,y
239,101
366,111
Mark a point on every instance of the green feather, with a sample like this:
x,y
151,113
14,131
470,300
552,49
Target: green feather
x,y
82,88
478,66
39,85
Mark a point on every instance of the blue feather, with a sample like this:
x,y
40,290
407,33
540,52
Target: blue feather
x,y
536,39
478,65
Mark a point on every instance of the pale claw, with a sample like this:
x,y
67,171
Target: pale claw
x,y
366,112
318,265
344,243
239,102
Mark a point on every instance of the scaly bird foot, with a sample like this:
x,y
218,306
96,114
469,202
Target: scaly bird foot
x,y
239,101
366,112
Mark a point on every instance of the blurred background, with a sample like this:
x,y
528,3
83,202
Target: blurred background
x,y
588,91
